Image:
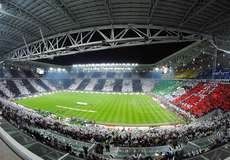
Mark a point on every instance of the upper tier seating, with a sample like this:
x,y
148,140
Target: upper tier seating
x,y
29,74
110,75
6,73
81,75
186,73
1,73
97,74
15,73
127,75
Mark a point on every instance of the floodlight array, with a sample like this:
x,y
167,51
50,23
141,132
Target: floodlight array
x,y
57,69
106,67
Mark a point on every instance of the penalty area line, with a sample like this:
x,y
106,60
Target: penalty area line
x,y
81,110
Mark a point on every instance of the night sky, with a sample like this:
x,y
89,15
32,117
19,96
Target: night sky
x,y
147,54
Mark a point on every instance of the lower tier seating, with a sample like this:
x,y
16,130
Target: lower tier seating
x,y
117,85
99,85
137,86
42,84
83,84
12,87
27,84
205,97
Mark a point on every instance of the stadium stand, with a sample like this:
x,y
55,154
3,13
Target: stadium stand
x,y
204,98
147,85
55,106
186,74
90,85
43,85
23,90
49,85
99,85
127,75
5,90
7,73
28,85
42,128
117,85
60,84
75,84
14,73
110,75
28,74
97,74
81,75
83,84
198,98
166,87
108,87
136,85
12,87
3,94
127,86
36,86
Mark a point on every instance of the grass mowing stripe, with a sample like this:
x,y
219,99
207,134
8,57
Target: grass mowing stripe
x,y
142,110
106,112
110,108
148,111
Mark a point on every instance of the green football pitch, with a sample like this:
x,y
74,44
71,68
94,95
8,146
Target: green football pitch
x,y
110,109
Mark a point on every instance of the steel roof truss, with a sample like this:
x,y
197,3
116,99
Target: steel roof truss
x,y
107,37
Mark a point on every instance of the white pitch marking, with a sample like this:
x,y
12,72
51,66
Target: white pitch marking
x,y
82,110
82,103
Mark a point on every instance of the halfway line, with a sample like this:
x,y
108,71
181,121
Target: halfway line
x,y
82,110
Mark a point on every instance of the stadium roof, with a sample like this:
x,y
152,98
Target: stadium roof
x,y
25,21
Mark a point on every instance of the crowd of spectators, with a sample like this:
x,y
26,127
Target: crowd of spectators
x,y
26,119
213,93
204,98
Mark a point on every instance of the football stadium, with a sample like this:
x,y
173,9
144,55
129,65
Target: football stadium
x,y
112,79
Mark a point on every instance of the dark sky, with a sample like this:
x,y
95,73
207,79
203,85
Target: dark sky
x,y
147,54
